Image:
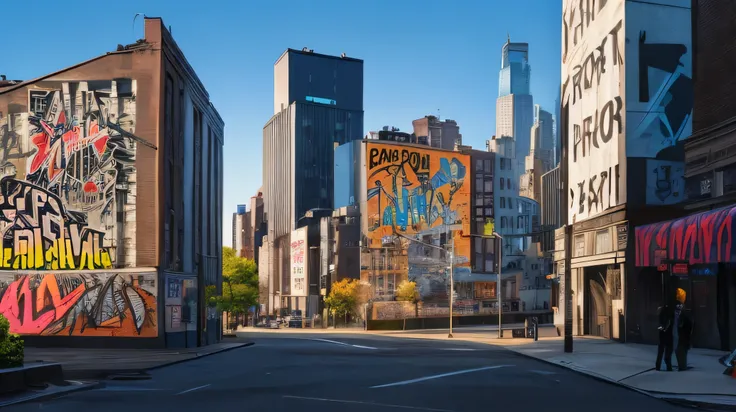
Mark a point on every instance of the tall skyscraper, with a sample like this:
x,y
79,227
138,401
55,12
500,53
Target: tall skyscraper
x,y
318,105
515,105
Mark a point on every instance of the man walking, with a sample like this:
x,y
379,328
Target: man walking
x,y
682,331
666,319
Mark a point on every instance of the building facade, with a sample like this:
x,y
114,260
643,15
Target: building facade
x,y
623,133
101,177
318,105
702,238
442,134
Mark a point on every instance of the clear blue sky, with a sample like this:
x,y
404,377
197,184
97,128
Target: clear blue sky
x,y
420,56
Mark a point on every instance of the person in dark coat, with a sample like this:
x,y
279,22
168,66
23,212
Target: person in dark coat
x,y
682,331
664,349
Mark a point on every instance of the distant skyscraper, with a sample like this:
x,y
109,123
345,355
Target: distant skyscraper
x,y
557,128
515,105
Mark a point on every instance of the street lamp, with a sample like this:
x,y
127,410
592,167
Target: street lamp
x,y
499,287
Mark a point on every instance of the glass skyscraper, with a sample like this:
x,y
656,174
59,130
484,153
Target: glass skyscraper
x,y
515,73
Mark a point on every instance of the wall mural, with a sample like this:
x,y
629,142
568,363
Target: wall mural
x,y
705,237
592,65
65,157
659,90
416,192
80,304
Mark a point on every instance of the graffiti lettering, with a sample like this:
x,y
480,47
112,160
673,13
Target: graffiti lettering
x,y
101,304
603,193
587,74
40,234
417,161
705,237
601,123
576,19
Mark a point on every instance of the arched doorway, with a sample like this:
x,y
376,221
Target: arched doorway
x,y
597,303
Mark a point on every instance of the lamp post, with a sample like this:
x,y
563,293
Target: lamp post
x,y
500,282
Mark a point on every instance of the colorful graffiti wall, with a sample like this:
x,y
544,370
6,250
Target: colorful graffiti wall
x,y
659,93
67,195
593,44
701,238
416,191
80,304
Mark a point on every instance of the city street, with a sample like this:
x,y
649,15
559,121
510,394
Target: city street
x,y
333,372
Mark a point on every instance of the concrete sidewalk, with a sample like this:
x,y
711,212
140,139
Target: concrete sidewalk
x,y
629,365
102,363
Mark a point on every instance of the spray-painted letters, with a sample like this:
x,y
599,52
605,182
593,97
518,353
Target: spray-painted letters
x,y
593,62
99,304
68,193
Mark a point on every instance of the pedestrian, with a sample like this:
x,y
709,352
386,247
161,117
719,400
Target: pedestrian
x,y
682,331
664,349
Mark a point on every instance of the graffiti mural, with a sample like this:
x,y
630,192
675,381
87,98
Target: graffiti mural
x,y
665,182
67,163
80,304
705,237
592,67
417,192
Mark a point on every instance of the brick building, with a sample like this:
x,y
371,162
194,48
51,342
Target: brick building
x,y
104,168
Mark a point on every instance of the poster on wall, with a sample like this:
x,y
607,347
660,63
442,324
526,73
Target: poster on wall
x,y
299,262
593,44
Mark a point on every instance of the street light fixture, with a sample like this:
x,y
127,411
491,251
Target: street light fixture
x,y
500,282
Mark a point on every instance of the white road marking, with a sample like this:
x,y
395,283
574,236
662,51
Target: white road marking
x,y
344,344
194,389
544,372
443,375
459,349
126,389
416,408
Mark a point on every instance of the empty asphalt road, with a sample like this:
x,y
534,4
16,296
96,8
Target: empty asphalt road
x,y
332,372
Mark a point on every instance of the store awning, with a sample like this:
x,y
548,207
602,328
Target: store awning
x,y
702,238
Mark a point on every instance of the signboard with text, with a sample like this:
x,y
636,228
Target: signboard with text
x,y
299,262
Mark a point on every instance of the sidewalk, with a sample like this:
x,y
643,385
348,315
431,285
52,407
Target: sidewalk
x,y
630,365
102,363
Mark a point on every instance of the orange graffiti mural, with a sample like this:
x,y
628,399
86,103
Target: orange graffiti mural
x,y
413,190
109,304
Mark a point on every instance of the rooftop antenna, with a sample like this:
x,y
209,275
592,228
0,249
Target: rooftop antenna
x,y
438,115
134,18
508,37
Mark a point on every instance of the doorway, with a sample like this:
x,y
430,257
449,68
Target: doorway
x,y
597,303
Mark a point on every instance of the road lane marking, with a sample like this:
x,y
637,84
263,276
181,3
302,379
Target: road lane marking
x,y
344,344
194,389
386,405
543,372
443,375
459,349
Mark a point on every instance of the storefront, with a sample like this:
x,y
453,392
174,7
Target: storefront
x,y
695,253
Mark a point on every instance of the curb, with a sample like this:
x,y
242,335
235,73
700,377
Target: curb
x,y
661,396
105,374
204,355
48,396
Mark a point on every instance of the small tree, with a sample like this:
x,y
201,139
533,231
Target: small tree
x,y
11,346
239,284
407,292
343,297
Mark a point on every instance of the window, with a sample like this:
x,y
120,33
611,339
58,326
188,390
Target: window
x,y
479,211
503,221
488,186
487,166
511,206
502,185
503,164
489,211
479,199
479,165
508,183
520,222
503,203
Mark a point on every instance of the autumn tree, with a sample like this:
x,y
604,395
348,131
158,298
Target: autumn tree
x,y
239,283
407,292
343,298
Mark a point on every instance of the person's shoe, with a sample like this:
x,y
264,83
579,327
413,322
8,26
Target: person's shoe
x,y
669,369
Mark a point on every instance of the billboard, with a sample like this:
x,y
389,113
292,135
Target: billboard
x,y
299,262
593,44
415,191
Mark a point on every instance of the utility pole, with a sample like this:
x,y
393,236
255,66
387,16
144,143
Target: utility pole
x,y
452,281
499,239
564,205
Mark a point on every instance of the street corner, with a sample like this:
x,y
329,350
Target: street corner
x,y
50,392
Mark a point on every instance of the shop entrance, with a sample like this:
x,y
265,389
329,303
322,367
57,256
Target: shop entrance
x,y
597,303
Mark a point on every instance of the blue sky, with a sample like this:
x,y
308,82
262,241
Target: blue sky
x,y
420,56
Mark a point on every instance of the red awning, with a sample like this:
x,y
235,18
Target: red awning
x,y
705,237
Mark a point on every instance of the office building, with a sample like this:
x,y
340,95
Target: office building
x,y
318,105
442,134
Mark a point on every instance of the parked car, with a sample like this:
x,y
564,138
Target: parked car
x,y
295,321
